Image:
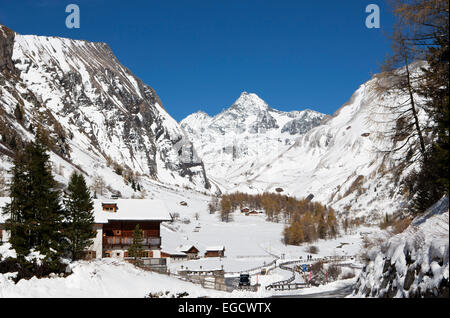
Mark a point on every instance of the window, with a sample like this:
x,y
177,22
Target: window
x,y
109,207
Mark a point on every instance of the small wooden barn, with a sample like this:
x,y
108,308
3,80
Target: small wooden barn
x,y
174,255
215,251
190,250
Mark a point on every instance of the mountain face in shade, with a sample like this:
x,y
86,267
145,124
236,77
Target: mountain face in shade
x,y
97,114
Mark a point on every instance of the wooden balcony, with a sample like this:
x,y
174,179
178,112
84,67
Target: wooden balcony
x,y
117,241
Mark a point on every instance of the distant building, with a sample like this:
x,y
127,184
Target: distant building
x,y
245,210
190,250
173,255
215,251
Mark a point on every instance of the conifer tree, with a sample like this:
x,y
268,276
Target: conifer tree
x,y
225,210
19,211
44,197
79,217
425,26
34,214
308,227
322,229
332,224
136,248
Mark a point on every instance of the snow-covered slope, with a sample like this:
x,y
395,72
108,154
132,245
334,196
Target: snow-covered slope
x,y
339,161
413,263
243,135
97,112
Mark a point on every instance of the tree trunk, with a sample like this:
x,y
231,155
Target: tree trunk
x,y
413,108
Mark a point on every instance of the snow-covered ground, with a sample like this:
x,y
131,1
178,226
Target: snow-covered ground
x,y
104,278
414,263
250,241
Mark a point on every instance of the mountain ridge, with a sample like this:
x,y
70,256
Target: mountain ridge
x,y
93,108
240,133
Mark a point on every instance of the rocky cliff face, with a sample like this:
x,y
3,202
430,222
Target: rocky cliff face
x,y
6,49
95,112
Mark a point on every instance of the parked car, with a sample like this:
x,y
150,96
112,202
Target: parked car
x,y
244,280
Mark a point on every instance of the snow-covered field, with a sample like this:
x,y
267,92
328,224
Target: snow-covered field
x,y
249,240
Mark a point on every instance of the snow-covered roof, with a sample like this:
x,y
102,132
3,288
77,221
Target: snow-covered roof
x,y
185,248
215,248
127,209
132,209
173,252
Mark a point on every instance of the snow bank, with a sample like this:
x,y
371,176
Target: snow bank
x,y
107,278
7,251
413,263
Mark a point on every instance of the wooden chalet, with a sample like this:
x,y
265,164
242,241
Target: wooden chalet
x,y
174,255
190,250
215,251
116,221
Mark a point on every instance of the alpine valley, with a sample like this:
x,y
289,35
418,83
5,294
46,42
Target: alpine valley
x,y
213,183
104,121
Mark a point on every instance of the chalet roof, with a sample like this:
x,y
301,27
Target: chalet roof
x,y
172,252
185,248
128,209
132,209
215,248
109,202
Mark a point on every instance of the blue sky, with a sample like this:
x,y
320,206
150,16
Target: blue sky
x,y
201,54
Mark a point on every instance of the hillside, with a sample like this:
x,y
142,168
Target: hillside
x,y
99,117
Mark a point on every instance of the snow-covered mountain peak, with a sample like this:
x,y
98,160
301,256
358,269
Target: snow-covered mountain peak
x,y
249,103
196,122
246,131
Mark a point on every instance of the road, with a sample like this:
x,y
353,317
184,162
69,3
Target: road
x,y
338,293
